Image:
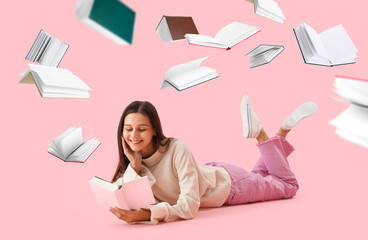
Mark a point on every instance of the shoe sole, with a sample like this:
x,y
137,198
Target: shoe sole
x,y
300,113
245,113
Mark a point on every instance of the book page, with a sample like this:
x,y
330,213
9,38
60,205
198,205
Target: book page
x,y
177,70
337,43
84,151
270,8
189,77
107,198
53,53
138,193
352,90
204,40
71,141
56,142
362,141
353,120
58,77
316,41
234,33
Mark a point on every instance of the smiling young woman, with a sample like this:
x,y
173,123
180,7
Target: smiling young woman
x,y
180,186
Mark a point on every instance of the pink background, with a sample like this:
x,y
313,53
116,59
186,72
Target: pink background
x,y
46,198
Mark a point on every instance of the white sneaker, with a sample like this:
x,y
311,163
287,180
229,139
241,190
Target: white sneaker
x,y
251,124
304,110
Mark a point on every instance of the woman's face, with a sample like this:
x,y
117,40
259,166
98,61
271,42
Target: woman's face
x,y
138,133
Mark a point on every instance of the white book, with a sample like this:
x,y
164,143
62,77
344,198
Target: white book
x,y
353,121
352,124
329,48
269,9
47,50
111,18
352,90
226,38
362,141
130,195
55,82
187,75
263,54
70,146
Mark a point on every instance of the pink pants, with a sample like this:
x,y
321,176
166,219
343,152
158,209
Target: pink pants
x,y
271,177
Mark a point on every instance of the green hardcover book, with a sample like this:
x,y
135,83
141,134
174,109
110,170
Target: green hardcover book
x,y
112,18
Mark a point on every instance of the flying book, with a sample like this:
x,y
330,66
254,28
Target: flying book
x,y
352,124
263,54
226,38
130,195
47,50
54,82
70,146
187,75
329,48
173,28
269,9
352,90
111,18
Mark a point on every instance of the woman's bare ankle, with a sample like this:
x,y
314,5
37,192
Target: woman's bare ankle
x,y
282,132
262,136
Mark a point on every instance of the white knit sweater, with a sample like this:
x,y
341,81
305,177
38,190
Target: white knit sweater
x,y
179,185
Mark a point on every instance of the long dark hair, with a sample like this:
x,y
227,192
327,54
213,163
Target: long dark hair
x,y
158,140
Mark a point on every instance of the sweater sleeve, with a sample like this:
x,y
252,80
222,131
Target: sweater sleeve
x,y
130,174
188,201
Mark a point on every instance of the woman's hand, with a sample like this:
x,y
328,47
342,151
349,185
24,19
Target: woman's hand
x,y
135,158
131,216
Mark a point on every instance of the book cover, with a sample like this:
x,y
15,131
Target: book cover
x,y
179,26
111,18
130,195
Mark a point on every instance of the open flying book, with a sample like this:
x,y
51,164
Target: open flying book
x,y
173,28
269,9
264,54
329,48
226,38
54,82
111,18
47,50
70,146
187,75
130,195
352,124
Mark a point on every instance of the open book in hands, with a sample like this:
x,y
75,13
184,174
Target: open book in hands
x,y
70,147
187,75
130,195
226,38
330,48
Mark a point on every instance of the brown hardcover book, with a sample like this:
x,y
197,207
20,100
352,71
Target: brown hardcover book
x,y
173,28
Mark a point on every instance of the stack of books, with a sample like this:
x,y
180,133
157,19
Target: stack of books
x,y
352,124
